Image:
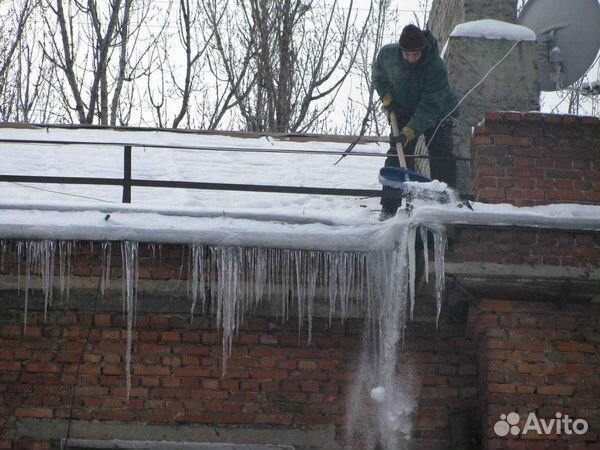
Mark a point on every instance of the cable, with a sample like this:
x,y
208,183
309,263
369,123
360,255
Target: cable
x,y
57,192
473,88
87,338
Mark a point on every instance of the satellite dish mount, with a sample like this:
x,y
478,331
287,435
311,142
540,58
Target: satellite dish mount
x,y
568,39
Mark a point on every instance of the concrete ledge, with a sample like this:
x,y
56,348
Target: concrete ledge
x,y
165,445
523,282
517,272
154,296
299,439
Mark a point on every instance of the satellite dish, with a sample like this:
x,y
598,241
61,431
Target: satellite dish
x,y
568,38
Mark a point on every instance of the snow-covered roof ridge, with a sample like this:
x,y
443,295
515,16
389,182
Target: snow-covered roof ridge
x,y
559,216
242,228
318,231
493,29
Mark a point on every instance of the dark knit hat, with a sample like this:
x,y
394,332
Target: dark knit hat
x,y
412,39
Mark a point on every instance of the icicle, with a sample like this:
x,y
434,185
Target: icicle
x,y
179,276
64,268
123,280
40,256
3,250
410,243
198,283
392,320
129,252
46,251
424,240
29,261
260,275
20,253
440,242
105,274
332,282
346,264
301,286
227,296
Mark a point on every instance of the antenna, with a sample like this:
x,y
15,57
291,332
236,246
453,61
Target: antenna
x,y
568,39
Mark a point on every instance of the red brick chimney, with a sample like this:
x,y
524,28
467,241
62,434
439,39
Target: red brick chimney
x,y
528,159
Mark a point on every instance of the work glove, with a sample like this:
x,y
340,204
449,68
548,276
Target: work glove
x,y
387,105
409,133
406,135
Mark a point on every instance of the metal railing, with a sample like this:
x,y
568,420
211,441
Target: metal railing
x,y
127,182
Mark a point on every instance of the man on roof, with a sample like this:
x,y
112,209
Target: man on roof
x,y
412,80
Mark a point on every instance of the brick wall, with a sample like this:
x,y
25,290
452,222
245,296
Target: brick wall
x,y
541,356
271,381
525,246
538,358
531,159
274,379
507,355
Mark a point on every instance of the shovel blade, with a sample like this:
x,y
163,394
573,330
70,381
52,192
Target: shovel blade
x,y
395,175
400,178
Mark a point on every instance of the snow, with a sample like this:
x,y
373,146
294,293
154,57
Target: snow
x,y
493,29
211,229
378,394
561,216
243,247
218,217
153,157
358,232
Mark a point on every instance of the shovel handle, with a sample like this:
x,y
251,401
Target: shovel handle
x,y
395,133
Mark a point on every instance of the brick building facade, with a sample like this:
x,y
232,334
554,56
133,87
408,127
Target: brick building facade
x,y
519,332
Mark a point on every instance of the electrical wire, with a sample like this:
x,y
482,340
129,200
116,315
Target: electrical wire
x,y
85,344
473,88
58,192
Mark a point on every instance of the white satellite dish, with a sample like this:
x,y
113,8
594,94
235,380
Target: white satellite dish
x,y
568,38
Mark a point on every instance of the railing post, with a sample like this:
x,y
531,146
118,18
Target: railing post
x,y
127,175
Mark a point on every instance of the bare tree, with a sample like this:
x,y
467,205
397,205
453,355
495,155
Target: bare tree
x,y
362,114
284,61
188,17
91,44
156,89
14,22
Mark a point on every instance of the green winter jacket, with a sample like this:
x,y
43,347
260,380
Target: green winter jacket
x,y
422,96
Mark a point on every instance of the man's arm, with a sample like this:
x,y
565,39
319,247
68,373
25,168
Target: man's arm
x,y
379,77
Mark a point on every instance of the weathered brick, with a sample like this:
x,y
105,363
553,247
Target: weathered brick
x,y
555,390
519,141
40,413
583,347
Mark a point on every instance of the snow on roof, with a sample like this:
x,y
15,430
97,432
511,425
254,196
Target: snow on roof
x,y
320,231
561,216
493,29
201,226
62,211
153,157
219,217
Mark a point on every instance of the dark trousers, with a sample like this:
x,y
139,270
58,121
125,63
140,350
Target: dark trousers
x,y
441,169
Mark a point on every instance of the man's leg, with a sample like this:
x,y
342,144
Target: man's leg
x,y
390,204
442,146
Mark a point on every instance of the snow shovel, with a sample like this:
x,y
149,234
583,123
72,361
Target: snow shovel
x,y
399,177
